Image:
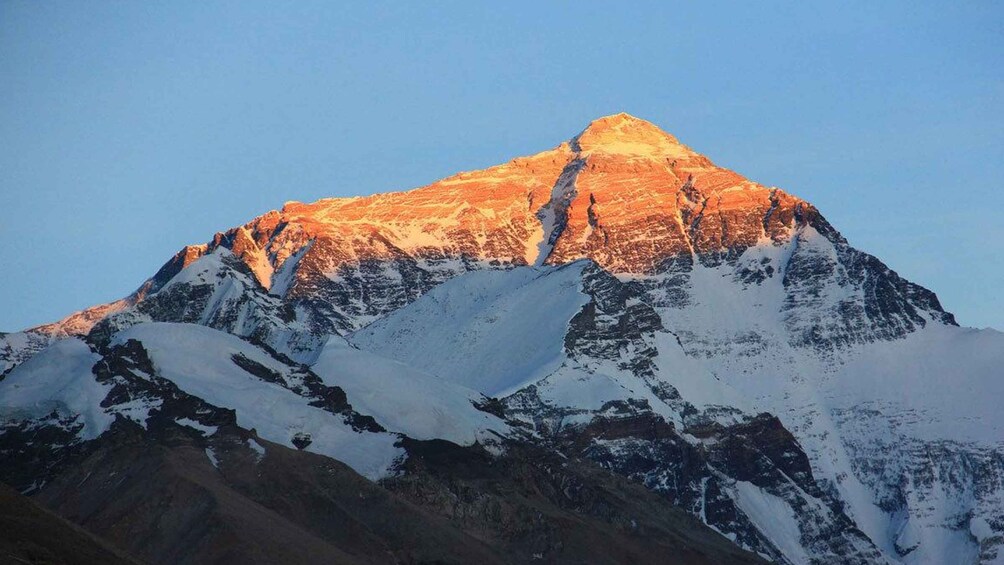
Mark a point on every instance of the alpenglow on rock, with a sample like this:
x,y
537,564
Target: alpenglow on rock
x,y
619,303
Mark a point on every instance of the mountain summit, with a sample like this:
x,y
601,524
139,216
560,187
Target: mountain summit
x,y
624,134
518,356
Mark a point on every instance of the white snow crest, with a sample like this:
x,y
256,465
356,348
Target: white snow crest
x,y
492,331
404,399
199,361
58,379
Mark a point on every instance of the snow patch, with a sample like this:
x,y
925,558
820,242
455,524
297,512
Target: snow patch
x,y
774,518
404,399
206,430
211,455
258,448
492,331
59,379
199,361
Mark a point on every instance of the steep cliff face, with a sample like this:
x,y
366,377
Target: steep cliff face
x,y
619,300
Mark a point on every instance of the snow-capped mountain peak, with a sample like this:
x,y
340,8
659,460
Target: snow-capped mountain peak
x,y
618,300
624,134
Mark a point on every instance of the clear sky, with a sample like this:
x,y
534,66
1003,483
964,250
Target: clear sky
x,y
129,129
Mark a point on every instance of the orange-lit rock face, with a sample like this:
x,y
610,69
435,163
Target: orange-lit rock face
x,y
643,198
487,214
623,193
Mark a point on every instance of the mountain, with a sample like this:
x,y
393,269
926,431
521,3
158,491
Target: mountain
x,y
32,534
521,355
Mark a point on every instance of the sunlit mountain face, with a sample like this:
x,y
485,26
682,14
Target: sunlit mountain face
x,y
610,351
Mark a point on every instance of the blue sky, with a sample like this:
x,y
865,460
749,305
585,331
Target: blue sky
x,y
129,129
